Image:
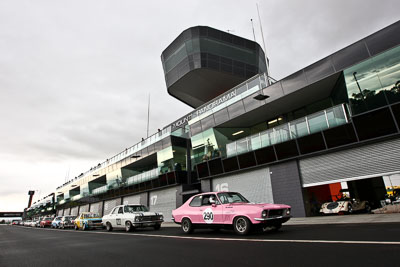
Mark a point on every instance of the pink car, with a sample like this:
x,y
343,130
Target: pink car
x,y
222,209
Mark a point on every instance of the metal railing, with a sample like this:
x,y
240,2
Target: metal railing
x,y
235,94
143,177
310,124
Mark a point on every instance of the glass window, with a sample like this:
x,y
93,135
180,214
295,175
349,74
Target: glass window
x,y
336,116
120,210
317,122
255,142
196,202
298,128
370,81
243,146
207,200
231,150
231,197
265,138
282,133
179,158
165,160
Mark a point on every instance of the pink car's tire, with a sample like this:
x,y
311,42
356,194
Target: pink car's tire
x,y
241,225
187,226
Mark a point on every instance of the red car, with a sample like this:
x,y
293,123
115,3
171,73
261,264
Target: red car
x,y
46,222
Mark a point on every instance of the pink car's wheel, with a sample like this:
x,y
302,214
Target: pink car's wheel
x,y
241,225
187,226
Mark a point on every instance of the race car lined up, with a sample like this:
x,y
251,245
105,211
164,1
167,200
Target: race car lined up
x,y
129,217
227,209
67,221
88,220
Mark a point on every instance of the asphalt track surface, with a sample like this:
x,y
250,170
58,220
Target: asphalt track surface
x,y
305,245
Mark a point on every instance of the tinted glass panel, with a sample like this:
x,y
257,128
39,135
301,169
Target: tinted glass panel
x,y
158,146
265,155
250,103
374,124
350,55
207,123
319,70
230,164
340,135
221,116
236,109
396,112
384,39
215,166
311,143
247,160
195,128
294,82
202,170
166,142
286,150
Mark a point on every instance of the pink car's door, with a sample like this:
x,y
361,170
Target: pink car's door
x,y
210,212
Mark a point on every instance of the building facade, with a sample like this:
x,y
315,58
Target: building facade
x,y
330,126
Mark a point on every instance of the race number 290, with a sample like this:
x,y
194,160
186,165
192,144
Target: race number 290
x,y
208,215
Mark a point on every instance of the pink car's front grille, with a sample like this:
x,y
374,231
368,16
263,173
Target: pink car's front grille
x,y
275,213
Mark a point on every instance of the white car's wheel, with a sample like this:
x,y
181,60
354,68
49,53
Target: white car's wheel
x,y
109,227
128,226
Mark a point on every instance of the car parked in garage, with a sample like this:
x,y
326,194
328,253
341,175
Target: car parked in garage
x,y
344,205
130,217
46,222
88,220
67,221
226,209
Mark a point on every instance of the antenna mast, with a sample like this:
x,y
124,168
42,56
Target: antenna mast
x,y
265,50
148,116
252,26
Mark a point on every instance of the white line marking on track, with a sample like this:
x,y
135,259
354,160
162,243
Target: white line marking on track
x,y
238,239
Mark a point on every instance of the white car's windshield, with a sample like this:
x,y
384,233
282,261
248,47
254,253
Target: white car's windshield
x,y
135,208
90,215
230,197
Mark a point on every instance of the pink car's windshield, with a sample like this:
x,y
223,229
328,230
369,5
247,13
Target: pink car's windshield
x,y
230,197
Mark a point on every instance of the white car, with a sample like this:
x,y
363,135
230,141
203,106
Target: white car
x,y
129,217
336,207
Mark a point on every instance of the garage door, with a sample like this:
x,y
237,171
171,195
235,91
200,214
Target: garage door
x,y
135,199
96,207
110,204
253,185
163,201
84,208
74,211
358,163
60,212
67,211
